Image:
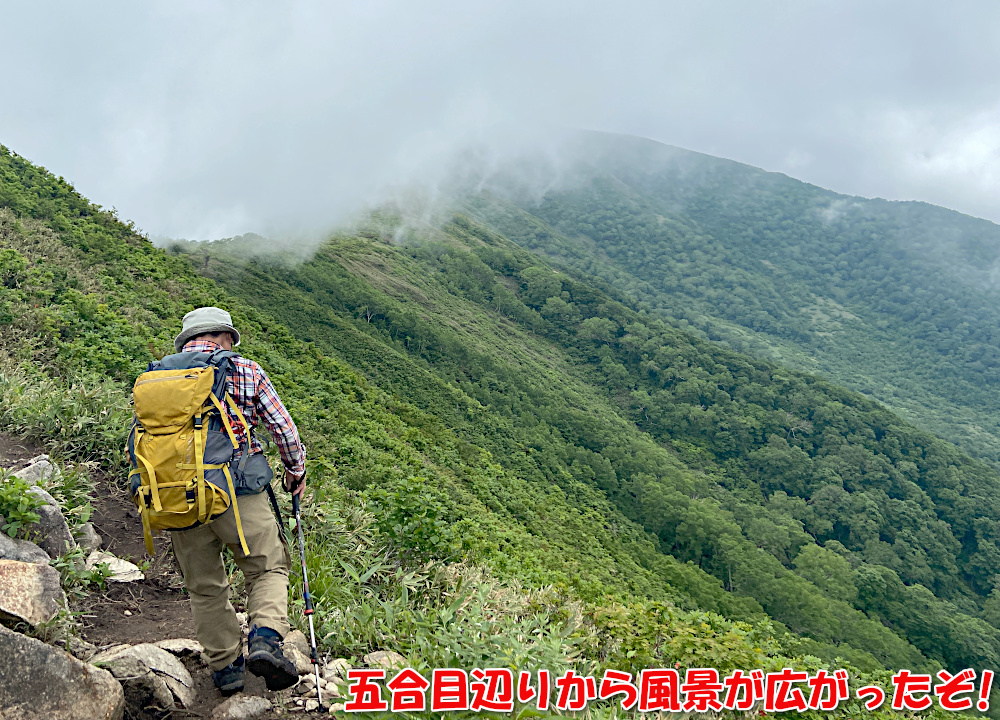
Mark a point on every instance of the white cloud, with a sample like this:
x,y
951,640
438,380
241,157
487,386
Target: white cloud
x,y
213,118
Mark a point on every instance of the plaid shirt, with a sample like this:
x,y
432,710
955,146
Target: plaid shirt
x,y
253,393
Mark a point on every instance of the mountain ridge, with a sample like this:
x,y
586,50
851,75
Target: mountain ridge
x,y
751,279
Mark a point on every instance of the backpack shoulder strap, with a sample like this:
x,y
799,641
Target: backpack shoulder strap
x,y
217,356
221,360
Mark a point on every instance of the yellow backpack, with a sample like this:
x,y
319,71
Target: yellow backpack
x,y
181,443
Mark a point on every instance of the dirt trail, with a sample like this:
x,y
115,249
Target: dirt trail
x,y
153,609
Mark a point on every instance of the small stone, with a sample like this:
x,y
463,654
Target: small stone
x,y
128,613
88,538
386,659
243,620
297,640
121,570
302,663
300,702
308,680
338,707
310,693
241,707
38,470
311,705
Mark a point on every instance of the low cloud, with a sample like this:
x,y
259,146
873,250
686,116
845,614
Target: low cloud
x,y
204,120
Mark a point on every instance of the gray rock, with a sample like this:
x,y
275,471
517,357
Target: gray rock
x,y
241,707
77,647
302,663
22,550
297,640
296,648
38,469
43,495
51,532
336,668
385,659
306,684
81,649
151,676
41,681
181,647
29,591
88,538
307,688
121,570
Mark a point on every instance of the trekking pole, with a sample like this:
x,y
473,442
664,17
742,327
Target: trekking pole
x,y
314,656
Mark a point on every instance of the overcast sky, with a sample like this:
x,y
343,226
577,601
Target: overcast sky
x,y
201,119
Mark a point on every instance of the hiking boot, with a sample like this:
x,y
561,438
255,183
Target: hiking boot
x,y
229,679
267,661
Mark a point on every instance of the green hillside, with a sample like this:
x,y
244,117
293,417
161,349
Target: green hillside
x,y
897,300
761,477
513,467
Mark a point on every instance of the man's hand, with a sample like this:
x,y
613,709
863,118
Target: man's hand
x,y
295,484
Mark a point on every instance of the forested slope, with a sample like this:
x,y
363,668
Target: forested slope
x,y
609,491
896,300
805,497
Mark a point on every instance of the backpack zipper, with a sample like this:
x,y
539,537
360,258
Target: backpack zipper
x,y
152,380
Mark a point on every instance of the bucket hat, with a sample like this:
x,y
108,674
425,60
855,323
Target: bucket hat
x,y
206,320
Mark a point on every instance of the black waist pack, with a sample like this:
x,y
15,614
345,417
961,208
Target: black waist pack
x,y
252,474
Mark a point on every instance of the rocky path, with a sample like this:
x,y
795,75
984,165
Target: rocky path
x,y
139,629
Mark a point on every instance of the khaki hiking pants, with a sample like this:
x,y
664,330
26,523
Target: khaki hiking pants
x,y
199,553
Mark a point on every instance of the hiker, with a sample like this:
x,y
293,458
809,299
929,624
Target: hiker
x,y
247,526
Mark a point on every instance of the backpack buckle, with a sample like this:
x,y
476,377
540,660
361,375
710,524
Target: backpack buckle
x,y
197,422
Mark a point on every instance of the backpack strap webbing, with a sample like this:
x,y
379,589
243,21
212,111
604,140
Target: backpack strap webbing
x,y
133,441
236,511
239,414
225,420
154,489
225,469
201,439
147,532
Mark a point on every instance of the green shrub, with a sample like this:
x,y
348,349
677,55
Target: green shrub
x,y
86,417
16,506
76,580
414,515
